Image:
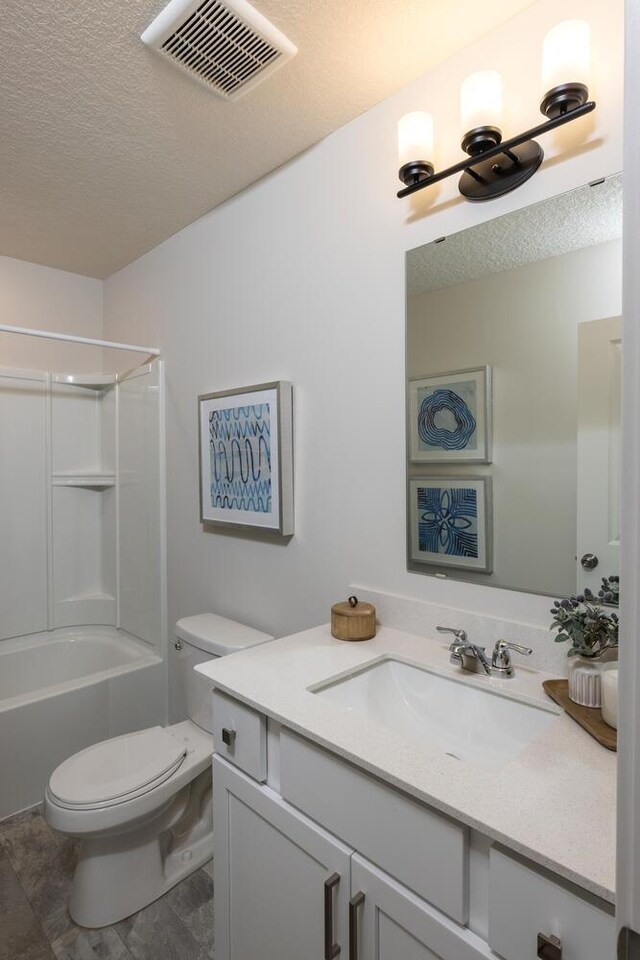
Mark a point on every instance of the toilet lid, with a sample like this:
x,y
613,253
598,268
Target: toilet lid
x,y
116,768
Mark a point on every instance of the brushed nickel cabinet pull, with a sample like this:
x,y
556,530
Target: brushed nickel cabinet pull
x,y
549,948
354,903
628,942
331,949
228,736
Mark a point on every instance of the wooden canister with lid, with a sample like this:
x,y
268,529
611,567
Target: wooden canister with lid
x,y
352,620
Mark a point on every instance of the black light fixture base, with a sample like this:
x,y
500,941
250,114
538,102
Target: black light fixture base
x,y
415,172
563,99
497,175
479,139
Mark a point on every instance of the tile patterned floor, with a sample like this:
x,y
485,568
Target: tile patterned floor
x,y
36,867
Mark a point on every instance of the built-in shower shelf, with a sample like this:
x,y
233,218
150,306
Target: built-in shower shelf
x,y
89,381
91,607
98,595
93,481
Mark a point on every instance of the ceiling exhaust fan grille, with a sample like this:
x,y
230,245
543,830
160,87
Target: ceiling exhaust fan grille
x,y
227,45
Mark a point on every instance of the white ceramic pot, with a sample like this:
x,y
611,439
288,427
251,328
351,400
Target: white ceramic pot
x,y
584,681
609,684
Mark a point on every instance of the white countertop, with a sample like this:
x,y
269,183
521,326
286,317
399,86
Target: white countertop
x,y
554,803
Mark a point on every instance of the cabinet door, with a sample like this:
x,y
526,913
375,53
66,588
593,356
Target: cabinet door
x,y
525,901
281,884
388,922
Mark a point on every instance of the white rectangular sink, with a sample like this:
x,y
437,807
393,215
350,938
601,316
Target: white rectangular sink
x,y
477,726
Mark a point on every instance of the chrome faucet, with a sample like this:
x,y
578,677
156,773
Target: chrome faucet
x,y
474,659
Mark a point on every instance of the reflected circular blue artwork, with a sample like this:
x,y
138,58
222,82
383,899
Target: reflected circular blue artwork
x,y
437,436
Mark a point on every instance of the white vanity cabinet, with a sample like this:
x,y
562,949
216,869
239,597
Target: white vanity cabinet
x,y
285,889
324,861
524,902
388,922
281,883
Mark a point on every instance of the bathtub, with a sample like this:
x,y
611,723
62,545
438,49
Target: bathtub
x,y
63,690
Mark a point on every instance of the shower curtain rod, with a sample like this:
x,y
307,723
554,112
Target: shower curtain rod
x,y
70,338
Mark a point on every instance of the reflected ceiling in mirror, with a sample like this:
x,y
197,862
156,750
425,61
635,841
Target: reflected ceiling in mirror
x,y
513,401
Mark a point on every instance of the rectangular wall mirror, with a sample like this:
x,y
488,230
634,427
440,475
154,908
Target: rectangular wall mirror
x,y
513,369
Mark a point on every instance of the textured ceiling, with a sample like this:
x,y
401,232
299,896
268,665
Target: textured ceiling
x,y
579,218
106,150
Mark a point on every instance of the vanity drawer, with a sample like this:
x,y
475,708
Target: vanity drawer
x,y
525,902
424,850
240,735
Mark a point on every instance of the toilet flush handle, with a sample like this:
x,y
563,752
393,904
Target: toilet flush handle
x,y
177,644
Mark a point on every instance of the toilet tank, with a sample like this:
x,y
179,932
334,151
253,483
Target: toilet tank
x,y
206,637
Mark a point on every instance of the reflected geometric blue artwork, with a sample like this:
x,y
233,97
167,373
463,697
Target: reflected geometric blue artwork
x,y
448,521
240,452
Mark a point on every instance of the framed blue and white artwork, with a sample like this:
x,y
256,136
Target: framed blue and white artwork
x,y
450,417
246,457
450,522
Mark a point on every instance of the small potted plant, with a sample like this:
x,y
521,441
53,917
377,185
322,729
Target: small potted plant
x,y
592,631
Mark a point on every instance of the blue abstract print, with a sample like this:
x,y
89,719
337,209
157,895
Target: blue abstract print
x,y
445,421
448,521
240,450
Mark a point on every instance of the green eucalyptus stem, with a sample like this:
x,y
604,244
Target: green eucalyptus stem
x,y
587,626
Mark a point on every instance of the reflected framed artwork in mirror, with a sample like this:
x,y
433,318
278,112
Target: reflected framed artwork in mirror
x,y
513,359
450,417
450,522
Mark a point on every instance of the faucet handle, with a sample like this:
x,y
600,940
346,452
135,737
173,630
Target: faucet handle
x,y
460,635
502,656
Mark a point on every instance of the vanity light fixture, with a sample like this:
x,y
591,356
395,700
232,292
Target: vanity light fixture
x,y
493,167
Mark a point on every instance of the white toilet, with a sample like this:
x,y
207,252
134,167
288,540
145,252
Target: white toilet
x,y
141,803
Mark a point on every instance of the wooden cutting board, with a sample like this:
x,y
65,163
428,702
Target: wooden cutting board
x,y
588,717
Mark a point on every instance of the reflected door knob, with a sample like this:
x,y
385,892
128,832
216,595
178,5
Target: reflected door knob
x,y
589,561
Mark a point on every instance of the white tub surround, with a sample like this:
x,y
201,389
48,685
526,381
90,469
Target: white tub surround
x,y
81,518
63,690
528,804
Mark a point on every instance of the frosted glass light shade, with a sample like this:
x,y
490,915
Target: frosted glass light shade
x,y
415,137
481,100
566,54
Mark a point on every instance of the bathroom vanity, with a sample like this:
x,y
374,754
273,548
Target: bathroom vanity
x,y
371,800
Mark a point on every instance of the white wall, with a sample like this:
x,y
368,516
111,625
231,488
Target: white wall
x,y
524,322
47,299
302,277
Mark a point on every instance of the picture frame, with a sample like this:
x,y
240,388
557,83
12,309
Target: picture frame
x,y
450,417
245,442
450,522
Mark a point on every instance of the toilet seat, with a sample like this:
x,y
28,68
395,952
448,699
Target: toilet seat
x,y
117,770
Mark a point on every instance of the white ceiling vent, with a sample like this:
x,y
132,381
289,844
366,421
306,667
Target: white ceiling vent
x,y
226,44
